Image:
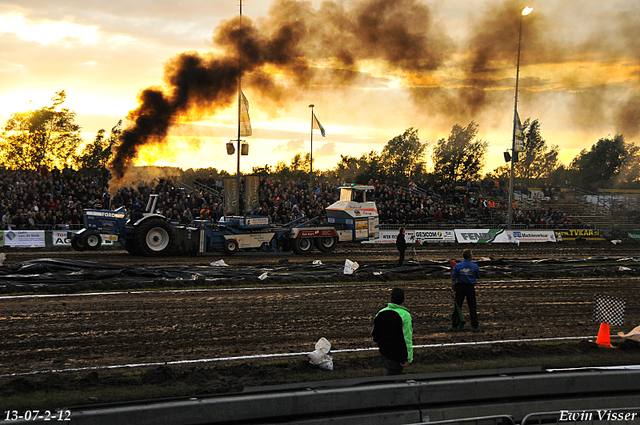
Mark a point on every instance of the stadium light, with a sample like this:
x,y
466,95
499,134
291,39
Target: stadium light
x,y
527,10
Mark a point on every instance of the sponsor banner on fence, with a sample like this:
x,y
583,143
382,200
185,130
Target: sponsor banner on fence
x,y
633,234
479,235
24,238
415,236
504,236
573,234
59,238
531,235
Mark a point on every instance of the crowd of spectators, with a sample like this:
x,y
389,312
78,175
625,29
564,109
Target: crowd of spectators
x,y
57,199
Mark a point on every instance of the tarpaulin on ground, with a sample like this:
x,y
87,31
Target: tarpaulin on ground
x,y
85,275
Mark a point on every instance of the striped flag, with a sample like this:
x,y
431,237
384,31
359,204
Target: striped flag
x,y
317,125
245,122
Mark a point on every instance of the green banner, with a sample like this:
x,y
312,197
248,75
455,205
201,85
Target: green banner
x,y
231,204
251,201
633,234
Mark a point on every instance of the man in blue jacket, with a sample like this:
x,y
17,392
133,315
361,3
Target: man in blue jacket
x,y
393,331
463,280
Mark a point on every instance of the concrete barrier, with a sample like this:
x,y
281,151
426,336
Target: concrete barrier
x,y
388,400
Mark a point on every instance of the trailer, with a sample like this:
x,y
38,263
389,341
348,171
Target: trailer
x,y
351,219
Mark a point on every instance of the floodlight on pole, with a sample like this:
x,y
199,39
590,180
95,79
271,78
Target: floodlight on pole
x,y
527,10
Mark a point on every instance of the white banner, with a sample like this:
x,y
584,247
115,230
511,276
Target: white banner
x,y
532,235
24,238
59,238
415,236
503,236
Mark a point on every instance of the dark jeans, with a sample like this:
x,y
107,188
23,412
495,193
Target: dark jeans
x,y
393,367
401,259
468,291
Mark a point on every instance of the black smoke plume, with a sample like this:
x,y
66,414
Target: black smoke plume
x,y
399,32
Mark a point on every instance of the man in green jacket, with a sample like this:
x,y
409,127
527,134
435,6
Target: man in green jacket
x,y
393,331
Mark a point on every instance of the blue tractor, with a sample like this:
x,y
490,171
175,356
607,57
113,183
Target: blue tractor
x,y
352,218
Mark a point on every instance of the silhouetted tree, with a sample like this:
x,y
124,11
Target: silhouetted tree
x,y
47,137
460,157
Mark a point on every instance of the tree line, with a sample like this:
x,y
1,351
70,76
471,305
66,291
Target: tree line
x,y
50,137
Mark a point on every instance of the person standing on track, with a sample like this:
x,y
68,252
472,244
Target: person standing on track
x,y
401,244
393,332
464,277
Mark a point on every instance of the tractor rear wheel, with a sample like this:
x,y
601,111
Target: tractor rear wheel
x,y
155,238
91,240
76,243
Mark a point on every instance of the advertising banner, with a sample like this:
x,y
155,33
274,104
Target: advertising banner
x,y
504,236
632,234
480,235
531,236
434,236
251,201
415,236
59,238
231,189
573,234
24,238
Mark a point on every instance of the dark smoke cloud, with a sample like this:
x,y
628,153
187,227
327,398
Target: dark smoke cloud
x,y
325,48
628,118
291,39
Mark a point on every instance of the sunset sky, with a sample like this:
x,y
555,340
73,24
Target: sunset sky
x,y
372,68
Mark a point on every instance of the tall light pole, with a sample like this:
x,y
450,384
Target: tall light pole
x,y
524,13
311,152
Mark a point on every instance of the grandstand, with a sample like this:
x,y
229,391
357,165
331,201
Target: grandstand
x,y
56,201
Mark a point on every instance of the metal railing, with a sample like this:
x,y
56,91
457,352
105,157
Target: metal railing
x,y
46,227
481,420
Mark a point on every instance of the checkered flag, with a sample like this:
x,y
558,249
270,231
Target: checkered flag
x,y
608,310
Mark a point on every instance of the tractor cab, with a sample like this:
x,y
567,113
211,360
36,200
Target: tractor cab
x,y
355,218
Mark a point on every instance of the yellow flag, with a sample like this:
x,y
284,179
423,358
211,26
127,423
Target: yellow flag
x,y
317,125
245,122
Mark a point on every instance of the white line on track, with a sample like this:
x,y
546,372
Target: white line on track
x,y
281,355
271,288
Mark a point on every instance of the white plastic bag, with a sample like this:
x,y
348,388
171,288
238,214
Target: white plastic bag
x,y
219,263
263,276
321,357
633,335
350,266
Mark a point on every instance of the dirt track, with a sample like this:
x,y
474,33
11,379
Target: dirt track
x,y
66,331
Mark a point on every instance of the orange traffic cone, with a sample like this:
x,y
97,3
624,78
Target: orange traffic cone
x,y
604,335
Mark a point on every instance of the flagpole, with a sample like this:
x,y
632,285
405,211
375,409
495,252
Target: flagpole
x,y
524,12
239,105
311,154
